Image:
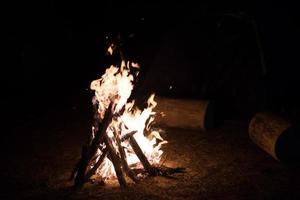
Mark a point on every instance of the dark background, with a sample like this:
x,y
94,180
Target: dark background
x,y
242,55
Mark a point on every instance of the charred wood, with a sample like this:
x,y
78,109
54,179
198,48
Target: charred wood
x,y
116,161
138,151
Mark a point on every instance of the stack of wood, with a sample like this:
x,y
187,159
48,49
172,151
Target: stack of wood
x,y
87,167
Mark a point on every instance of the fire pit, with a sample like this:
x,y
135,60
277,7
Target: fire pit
x,y
121,143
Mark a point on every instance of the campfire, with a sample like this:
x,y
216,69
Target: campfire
x,y
121,143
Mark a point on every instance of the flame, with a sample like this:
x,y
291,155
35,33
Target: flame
x,y
110,49
115,86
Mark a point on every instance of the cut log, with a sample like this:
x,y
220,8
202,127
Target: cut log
x,y
275,135
183,113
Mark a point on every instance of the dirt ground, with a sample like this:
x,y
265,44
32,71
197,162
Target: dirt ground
x,y
221,163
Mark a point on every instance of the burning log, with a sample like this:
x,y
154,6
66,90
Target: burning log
x,y
275,135
88,151
92,171
124,163
116,161
147,166
80,169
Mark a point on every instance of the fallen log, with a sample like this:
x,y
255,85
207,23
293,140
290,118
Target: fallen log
x,y
275,135
185,113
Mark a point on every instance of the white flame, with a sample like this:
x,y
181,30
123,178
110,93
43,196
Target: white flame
x,y
115,86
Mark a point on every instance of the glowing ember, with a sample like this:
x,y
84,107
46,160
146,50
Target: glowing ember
x,y
114,88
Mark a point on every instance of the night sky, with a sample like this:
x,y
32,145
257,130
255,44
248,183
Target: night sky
x,y
204,50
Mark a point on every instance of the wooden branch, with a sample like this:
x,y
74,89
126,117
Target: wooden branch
x,y
82,166
138,151
90,150
116,161
128,135
92,171
124,163
101,132
74,171
96,119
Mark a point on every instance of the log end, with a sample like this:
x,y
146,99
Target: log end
x,y
186,113
287,147
276,136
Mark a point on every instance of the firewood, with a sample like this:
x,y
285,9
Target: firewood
x,y
115,160
82,166
101,131
90,150
138,151
168,171
128,135
124,163
92,171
